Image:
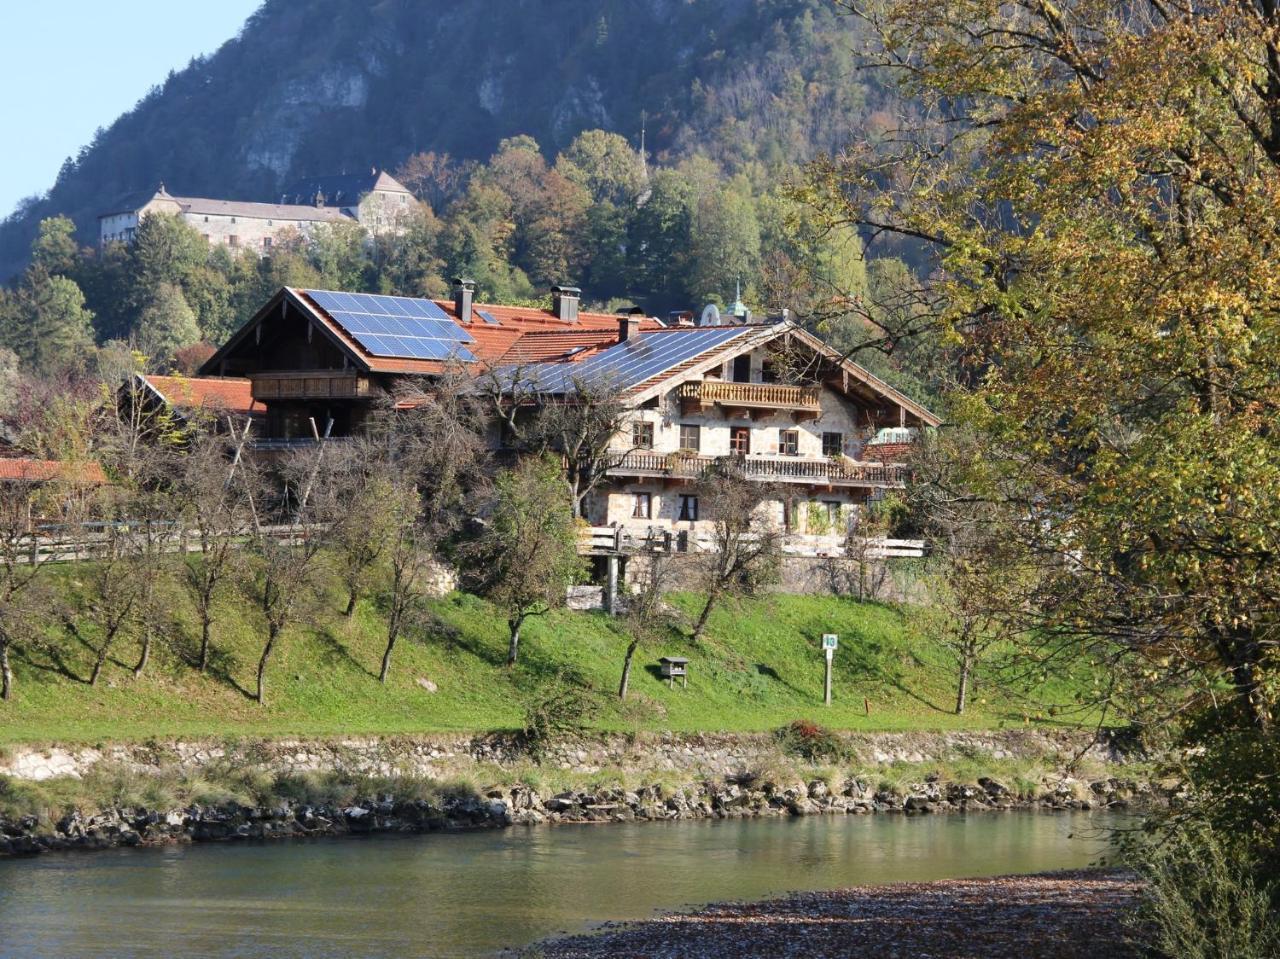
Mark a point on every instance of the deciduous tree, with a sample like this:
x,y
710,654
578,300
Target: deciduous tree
x,y
527,556
746,547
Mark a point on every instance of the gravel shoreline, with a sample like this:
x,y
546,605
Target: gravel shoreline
x,y
1064,915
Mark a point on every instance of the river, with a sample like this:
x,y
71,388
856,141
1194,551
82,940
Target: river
x,y
474,894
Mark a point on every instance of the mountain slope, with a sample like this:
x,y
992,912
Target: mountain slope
x,y
326,86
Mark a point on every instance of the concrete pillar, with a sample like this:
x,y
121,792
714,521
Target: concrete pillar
x,y
611,588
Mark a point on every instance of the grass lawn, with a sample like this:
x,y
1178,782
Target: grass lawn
x,y
759,667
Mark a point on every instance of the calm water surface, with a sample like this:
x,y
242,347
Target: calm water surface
x,y
474,894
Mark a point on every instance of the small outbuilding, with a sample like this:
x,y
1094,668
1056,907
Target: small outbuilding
x,y
673,668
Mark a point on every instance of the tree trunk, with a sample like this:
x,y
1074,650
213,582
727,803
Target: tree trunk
x,y
6,673
626,670
206,628
962,692
393,633
513,651
1241,654
351,603
145,655
701,625
272,633
99,663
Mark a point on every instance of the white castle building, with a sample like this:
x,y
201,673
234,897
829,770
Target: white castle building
x,y
375,200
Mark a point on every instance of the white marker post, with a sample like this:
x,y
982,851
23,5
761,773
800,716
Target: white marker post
x,y
830,641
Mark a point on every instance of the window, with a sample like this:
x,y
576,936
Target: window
x,y
690,437
832,444
233,219
642,436
688,509
266,242
233,240
789,442
642,506
740,440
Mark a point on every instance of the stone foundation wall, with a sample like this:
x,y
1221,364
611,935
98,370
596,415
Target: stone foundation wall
x,y
886,581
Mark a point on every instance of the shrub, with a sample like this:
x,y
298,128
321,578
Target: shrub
x,y
561,709
811,742
1205,896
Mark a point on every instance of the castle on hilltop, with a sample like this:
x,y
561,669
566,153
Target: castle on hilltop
x,y
375,200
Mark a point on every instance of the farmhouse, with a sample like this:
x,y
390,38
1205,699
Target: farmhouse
x,y
788,409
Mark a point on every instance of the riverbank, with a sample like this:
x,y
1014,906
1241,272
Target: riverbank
x,y
1069,915
180,792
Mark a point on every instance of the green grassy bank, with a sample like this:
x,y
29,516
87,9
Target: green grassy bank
x,y
759,667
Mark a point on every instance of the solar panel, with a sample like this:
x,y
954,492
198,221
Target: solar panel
x,y
396,326
487,317
628,364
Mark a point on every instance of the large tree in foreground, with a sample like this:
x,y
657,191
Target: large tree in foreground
x,y
1101,190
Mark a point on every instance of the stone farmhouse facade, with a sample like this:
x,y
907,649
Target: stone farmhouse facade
x,y
788,409
375,200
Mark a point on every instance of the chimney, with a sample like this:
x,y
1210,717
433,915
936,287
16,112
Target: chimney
x,y
564,302
629,324
464,292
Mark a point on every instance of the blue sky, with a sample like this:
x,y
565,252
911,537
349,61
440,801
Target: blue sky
x,y
71,66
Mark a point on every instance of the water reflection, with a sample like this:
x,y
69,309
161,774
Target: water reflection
x,y
470,895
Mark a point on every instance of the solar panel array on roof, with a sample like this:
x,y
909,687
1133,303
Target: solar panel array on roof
x,y
396,326
628,364
487,317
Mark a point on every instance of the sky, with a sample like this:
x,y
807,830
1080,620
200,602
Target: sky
x,y
71,66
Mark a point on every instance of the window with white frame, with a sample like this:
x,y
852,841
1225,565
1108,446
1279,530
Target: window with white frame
x,y
642,506
642,435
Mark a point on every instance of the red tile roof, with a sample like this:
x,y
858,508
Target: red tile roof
x,y
230,395
22,470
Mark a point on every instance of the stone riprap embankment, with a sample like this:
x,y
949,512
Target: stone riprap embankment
x,y
482,782
523,805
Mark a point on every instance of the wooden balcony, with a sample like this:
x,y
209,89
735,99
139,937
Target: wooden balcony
x,y
766,469
319,385
750,399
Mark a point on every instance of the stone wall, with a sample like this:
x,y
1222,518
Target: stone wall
x,y
442,757
886,581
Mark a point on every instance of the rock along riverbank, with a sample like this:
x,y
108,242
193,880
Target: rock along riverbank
x,y
364,787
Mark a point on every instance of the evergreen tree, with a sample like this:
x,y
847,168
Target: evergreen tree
x,y
167,325
49,328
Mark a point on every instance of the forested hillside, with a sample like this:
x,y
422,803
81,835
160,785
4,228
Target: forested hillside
x,y
333,85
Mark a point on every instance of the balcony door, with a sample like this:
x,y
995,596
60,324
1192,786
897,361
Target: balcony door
x,y
742,369
739,440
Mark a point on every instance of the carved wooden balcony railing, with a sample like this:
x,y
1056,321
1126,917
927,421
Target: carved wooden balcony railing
x,y
321,385
767,469
752,398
